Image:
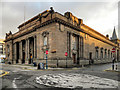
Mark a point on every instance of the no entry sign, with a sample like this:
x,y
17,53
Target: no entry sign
x,y
66,54
113,50
46,51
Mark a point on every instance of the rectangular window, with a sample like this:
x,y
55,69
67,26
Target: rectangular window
x,y
45,40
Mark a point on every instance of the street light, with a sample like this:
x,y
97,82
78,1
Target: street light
x,y
46,59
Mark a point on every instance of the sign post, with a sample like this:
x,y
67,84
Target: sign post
x,y
46,59
113,51
66,58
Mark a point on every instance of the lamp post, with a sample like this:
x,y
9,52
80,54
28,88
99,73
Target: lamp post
x,y
66,58
113,60
46,59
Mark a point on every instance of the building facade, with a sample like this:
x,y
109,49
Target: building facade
x,y
2,47
58,34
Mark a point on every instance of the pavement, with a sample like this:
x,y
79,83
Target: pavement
x,y
34,68
23,76
115,69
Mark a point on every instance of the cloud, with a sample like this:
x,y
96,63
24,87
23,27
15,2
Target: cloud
x,y
101,16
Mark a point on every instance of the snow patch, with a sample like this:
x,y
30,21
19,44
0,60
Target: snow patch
x,y
76,80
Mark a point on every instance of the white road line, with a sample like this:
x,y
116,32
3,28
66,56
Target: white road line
x,y
13,83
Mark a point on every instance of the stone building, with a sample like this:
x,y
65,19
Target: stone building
x,y
58,34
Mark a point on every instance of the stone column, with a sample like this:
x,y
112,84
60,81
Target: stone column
x,y
20,52
26,51
15,53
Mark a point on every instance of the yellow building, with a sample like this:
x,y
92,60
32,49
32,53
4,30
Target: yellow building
x,y
2,47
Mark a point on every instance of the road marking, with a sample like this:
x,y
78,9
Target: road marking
x,y
13,83
108,69
5,73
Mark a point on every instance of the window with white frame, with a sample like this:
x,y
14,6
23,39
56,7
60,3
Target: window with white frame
x,y
73,43
45,40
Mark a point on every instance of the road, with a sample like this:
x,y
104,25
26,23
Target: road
x,y
17,77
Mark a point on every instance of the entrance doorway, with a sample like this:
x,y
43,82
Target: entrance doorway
x,y
90,58
90,55
17,52
74,58
31,48
23,51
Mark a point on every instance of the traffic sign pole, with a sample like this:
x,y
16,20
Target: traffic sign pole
x,y
46,60
66,58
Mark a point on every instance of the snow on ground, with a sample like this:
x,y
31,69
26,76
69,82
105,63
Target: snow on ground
x,y
76,80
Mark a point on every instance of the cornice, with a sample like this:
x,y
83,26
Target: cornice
x,y
58,20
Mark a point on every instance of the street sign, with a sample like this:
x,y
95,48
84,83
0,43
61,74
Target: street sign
x,y
46,51
113,50
65,53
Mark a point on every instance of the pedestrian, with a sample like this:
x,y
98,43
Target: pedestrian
x,y
113,60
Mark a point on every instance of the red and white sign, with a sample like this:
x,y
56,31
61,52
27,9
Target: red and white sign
x,y
113,50
46,51
66,54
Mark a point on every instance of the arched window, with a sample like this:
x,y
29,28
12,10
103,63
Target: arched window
x,y
97,52
101,53
105,53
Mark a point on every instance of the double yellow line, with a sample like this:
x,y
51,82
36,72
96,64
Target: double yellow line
x,y
5,73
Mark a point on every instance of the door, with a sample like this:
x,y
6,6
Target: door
x,y
74,58
90,58
23,60
17,50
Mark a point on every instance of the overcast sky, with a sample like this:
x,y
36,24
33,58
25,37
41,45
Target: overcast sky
x,y
101,16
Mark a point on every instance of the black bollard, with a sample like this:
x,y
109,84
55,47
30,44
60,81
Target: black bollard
x,y
112,66
116,67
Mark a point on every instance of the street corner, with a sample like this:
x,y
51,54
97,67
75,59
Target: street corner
x,y
112,70
108,70
3,73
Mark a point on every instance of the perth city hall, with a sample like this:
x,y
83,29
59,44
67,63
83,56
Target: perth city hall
x,y
58,34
